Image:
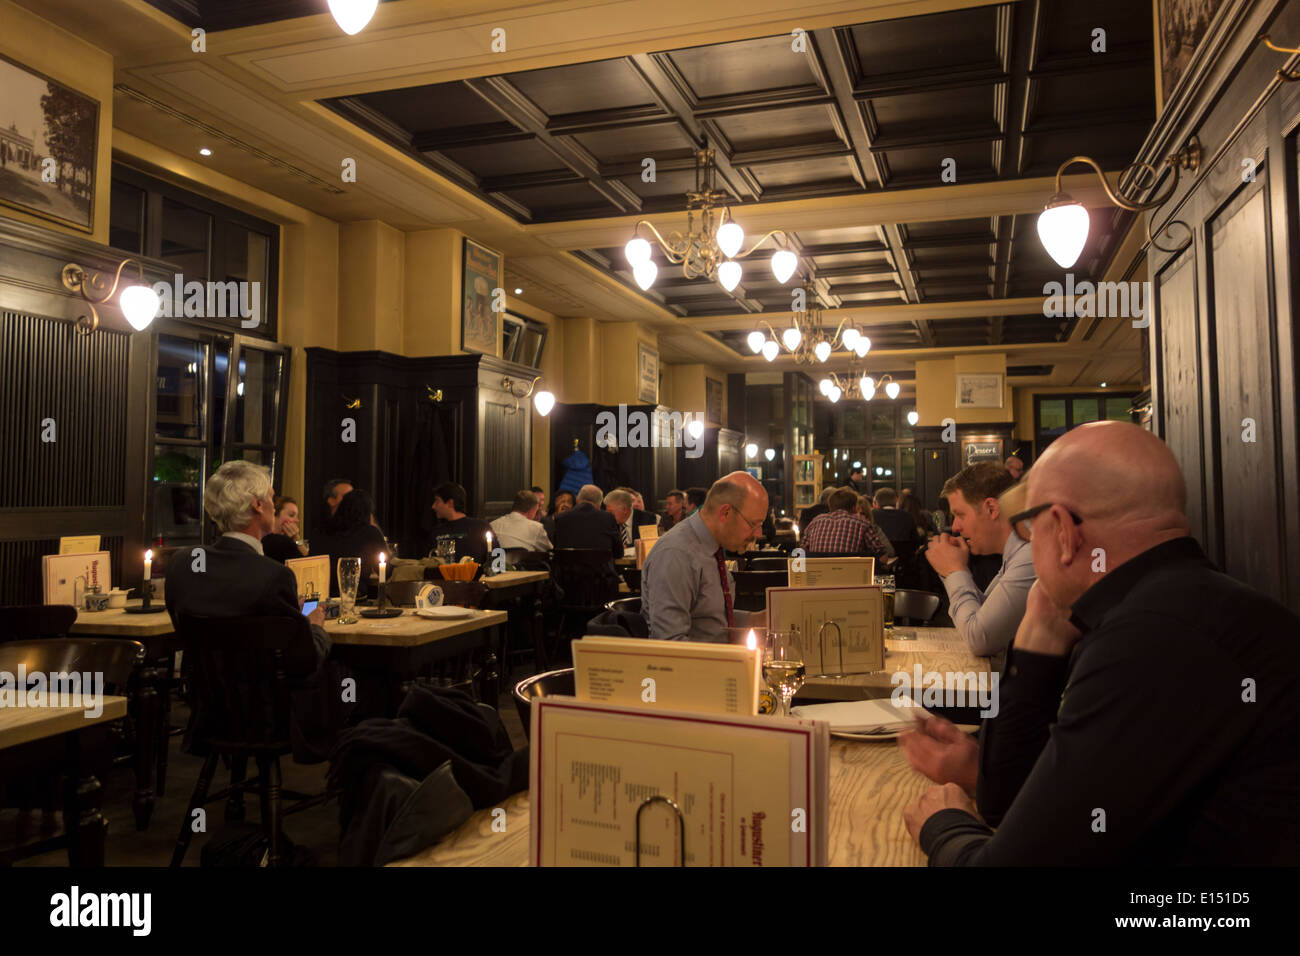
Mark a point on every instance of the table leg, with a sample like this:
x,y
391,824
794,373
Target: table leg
x,y
165,692
83,823
489,689
147,735
539,631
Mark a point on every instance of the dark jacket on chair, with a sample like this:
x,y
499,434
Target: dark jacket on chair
x,y
236,581
588,527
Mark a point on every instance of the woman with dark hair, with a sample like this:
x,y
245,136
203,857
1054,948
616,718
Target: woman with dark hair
x,y
352,534
912,505
942,516
562,502
282,544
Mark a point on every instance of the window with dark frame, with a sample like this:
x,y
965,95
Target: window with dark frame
x,y
1054,415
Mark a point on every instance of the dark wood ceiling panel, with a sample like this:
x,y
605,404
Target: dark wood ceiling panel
x,y
743,68
420,109
834,174
585,87
780,130
957,42
665,142
520,158
911,115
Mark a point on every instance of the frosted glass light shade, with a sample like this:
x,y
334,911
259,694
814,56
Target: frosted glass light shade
x,y
756,340
139,305
769,454
544,402
791,337
913,418
824,386
784,262
696,428
892,389
863,346
1063,230
822,350
637,251
751,450
729,274
730,238
771,350
645,273
835,393
353,15
849,337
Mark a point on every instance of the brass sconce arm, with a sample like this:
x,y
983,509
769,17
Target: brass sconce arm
x,y
509,384
81,281
1286,77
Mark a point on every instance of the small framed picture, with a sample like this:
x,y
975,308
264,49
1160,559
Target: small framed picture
x,y
482,300
647,377
979,390
713,401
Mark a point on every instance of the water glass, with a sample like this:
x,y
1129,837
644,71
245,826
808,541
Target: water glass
x,y
783,665
349,572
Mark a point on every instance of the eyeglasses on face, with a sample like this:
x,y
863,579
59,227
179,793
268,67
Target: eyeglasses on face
x,y
1027,517
753,525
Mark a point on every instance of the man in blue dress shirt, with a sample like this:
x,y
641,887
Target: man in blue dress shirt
x,y
686,590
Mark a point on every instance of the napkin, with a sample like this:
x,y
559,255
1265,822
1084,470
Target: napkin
x,y
863,716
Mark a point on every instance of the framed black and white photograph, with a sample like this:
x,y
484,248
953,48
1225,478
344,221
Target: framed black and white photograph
x,y
647,374
713,401
979,390
49,135
480,326
1180,27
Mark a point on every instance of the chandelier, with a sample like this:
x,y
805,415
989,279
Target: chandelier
x,y
864,387
712,242
806,339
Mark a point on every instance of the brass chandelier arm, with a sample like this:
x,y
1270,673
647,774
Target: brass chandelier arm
x,y
1283,75
775,232
675,256
1114,197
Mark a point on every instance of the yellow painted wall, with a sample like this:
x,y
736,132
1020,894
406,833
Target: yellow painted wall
x,y
936,389
616,362
48,49
684,388
371,267
431,318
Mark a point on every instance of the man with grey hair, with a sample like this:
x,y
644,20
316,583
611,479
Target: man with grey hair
x,y
621,503
232,578
686,589
586,526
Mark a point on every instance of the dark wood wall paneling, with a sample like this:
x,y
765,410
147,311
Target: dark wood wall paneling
x,y
1224,347
938,460
405,443
650,470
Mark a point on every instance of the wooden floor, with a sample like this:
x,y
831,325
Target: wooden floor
x,y
316,829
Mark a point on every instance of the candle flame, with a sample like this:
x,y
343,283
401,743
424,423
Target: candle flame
x,y
148,555
382,557
751,641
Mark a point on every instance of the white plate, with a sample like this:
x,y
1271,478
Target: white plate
x,y
448,612
892,735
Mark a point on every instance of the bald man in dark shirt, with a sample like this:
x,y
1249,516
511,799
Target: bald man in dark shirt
x,y
1150,708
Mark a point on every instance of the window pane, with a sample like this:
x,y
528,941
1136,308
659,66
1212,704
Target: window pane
x,y
883,417
256,390
186,239
182,367
907,468
881,470
176,495
126,218
853,422
1083,410
1117,409
905,427
246,257
258,456
1051,416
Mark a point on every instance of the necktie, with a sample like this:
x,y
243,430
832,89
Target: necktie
x,y
726,591
627,537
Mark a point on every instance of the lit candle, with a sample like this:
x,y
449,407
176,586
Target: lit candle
x,y
488,536
751,641
148,565
796,529
383,567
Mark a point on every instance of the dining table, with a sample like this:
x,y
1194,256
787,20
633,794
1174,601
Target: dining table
x,y
26,734
871,783
519,594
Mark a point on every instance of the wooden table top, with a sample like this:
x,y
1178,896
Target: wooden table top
x,y
115,622
871,784
409,630
507,579
939,649
20,725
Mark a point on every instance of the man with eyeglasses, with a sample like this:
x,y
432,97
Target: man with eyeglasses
x,y
1150,708
986,619
686,590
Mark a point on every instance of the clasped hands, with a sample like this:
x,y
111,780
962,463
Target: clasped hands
x,y
948,553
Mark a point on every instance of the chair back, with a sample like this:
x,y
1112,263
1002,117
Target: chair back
x,y
550,683
632,575
915,605
112,657
758,561
25,622
238,680
751,587
582,574
632,605
464,593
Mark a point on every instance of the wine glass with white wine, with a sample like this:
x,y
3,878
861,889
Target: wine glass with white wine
x,y
783,665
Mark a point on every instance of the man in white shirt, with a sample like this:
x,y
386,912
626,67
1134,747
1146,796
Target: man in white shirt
x,y
987,619
520,528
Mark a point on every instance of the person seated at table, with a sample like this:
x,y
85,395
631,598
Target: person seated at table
x,y
335,489
695,500
1015,467
280,544
639,509
520,528
621,504
909,503
686,589
235,579
674,505
866,508
896,525
353,534
986,618
587,526
468,533
542,517
1150,712
842,530
810,514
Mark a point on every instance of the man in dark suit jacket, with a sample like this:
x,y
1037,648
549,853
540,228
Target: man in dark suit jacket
x,y
233,578
586,526
897,525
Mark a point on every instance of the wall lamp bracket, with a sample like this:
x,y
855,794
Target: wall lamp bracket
x,y
1286,76
139,302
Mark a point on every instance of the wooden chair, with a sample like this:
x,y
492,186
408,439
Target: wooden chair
x,y
765,562
40,763
914,607
585,584
632,575
751,588
25,622
240,694
632,605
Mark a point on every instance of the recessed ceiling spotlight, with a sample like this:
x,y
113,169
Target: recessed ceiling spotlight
x,y
205,151
519,291
1103,384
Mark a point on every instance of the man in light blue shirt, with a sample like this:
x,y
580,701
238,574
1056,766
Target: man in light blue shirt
x,y
987,619
687,594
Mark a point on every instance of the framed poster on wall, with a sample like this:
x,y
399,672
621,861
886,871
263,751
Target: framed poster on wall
x,y
713,401
1179,27
49,138
647,374
979,390
480,325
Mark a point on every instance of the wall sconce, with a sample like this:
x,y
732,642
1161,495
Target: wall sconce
x,y
139,303
751,450
350,403
1063,223
769,454
543,401
435,394
1283,75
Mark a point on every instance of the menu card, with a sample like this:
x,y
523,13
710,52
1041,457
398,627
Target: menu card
x,y
859,614
313,575
79,544
642,547
752,791
674,675
820,572
60,571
